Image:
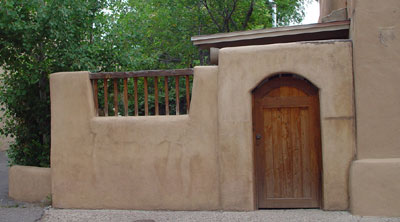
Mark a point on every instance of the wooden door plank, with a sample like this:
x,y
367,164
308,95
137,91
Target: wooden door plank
x,y
297,164
305,152
269,160
277,148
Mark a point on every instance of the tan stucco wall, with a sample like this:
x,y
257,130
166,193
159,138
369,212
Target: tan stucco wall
x,y
200,161
158,162
375,175
327,6
328,66
376,36
375,189
29,184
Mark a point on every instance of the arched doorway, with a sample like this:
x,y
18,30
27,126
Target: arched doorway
x,y
287,143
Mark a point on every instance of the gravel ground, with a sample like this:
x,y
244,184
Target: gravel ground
x,y
59,215
10,210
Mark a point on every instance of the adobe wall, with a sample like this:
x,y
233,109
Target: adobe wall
x,y
328,65
29,184
200,161
155,162
376,37
327,6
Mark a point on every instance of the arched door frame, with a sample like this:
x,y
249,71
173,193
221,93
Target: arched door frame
x,y
260,91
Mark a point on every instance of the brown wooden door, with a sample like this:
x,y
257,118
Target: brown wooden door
x,y
287,144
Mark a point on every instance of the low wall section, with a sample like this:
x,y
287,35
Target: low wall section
x,y
157,162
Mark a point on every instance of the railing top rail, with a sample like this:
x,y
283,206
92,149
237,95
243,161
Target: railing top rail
x,y
144,73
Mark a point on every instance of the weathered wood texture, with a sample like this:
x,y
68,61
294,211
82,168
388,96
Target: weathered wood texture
x,y
287,144
147,77
145,73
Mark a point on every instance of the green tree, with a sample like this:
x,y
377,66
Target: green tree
x,y
40,37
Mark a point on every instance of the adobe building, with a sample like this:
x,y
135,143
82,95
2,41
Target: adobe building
x,y
291,117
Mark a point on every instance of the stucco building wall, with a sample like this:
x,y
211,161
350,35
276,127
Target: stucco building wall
x,y
375,175
200,161
327,6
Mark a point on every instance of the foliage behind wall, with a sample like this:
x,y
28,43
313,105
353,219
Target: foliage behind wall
x,y
40,37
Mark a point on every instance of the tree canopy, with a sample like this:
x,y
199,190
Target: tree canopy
x,y
40,37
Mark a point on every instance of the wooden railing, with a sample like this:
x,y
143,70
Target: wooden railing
x,y
135,82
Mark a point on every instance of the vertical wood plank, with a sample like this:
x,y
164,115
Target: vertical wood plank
x,y
146,102
115,97
166,95
156,95
305,152
135,80
269,163
177,94
289,152
106,97
95,95
187,94
297,164
276,144
126,96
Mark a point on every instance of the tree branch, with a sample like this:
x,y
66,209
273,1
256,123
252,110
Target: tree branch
x,y
211,15
229,15
248,15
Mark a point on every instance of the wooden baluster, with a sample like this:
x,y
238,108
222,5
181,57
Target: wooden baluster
x,y
177,94
136,98
156,94
95,95
166,95
187,94
126,96
146,102
115,97
106,97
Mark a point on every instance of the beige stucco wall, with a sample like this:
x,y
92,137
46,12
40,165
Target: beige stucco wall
x,y
158,162
375,175
328,66
29,184
375,189
327,6
376,37
200,161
